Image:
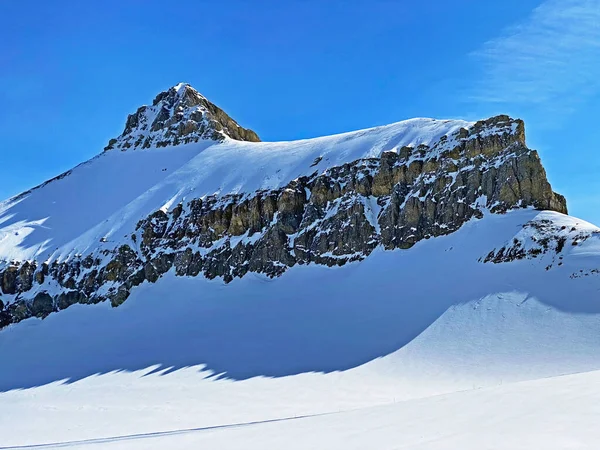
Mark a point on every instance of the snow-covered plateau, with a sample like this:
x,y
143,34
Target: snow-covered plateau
x,y
416,285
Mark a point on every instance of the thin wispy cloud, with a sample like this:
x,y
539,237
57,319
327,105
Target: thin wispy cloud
x,y
550,60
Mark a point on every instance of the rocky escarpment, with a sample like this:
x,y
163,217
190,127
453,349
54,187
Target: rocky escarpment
x,y
180,115
330,217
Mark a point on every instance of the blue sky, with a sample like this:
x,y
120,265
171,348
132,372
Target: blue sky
x,y
71,71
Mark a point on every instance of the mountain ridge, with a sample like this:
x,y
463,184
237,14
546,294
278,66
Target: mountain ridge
x,y
217,206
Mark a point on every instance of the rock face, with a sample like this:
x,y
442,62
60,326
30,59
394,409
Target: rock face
x,y
331,218
180,115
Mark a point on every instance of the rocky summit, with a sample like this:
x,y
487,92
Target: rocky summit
x,y
180,115
228,205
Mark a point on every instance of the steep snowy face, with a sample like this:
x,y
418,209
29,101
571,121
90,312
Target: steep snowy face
x,y
180,115
226,208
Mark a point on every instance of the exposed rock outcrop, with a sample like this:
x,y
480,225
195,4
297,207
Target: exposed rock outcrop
x,y
180,115
331,217
548,239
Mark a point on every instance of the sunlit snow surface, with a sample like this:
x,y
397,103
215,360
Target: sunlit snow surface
x,y
426,348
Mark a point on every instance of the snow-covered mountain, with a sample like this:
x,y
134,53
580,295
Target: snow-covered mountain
x,y
223,207
266,290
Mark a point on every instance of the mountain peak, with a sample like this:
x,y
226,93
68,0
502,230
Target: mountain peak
x,y
179,115
183,93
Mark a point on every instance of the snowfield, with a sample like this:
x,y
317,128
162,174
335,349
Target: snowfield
x,y
426,348
553,413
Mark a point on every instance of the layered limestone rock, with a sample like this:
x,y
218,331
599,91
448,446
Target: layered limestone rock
x,y
180,115
331,217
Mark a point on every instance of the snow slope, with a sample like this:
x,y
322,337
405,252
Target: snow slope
x,y
105,197
418,348
520,416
